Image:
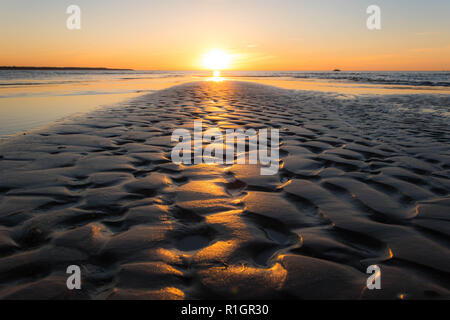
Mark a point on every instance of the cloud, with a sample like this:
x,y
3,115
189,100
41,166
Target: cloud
x,y
427,33
433,49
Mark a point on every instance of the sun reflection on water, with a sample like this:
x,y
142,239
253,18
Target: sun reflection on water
x,y
216,76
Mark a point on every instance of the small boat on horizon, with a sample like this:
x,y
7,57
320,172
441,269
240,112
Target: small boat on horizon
x,y
337,70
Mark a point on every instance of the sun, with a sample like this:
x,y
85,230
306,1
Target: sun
x,y
216,59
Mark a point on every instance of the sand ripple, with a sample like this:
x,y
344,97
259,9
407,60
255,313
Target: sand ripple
x,y
356,187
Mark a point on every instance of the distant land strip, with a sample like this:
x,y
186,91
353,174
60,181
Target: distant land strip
x,y
60,68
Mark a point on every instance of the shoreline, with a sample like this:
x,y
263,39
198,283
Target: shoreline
x,y
330,89
34,99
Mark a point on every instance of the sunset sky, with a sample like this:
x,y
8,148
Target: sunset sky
x,y
260,35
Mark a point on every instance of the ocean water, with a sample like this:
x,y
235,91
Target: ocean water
x,y
432,79
30,99
10,78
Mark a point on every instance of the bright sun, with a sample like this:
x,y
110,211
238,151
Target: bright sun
x,y
216,60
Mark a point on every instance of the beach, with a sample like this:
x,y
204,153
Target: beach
x,y
362,180
31,99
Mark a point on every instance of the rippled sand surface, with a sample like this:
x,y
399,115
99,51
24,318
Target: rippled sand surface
x,y
358,185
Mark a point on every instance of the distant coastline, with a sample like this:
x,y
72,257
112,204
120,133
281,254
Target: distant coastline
x,y
61,68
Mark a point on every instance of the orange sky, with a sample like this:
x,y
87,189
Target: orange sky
x,y
270,35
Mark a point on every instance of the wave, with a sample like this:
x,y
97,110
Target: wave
x,y
427,79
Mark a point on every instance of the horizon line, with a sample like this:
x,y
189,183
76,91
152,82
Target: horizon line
x,y
207,70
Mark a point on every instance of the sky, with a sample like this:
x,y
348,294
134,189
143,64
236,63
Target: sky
x,y
258,34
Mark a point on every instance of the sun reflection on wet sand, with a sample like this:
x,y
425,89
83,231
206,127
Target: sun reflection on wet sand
x,y
202,230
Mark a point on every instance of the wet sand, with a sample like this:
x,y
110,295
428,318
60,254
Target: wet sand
x,y
359,184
